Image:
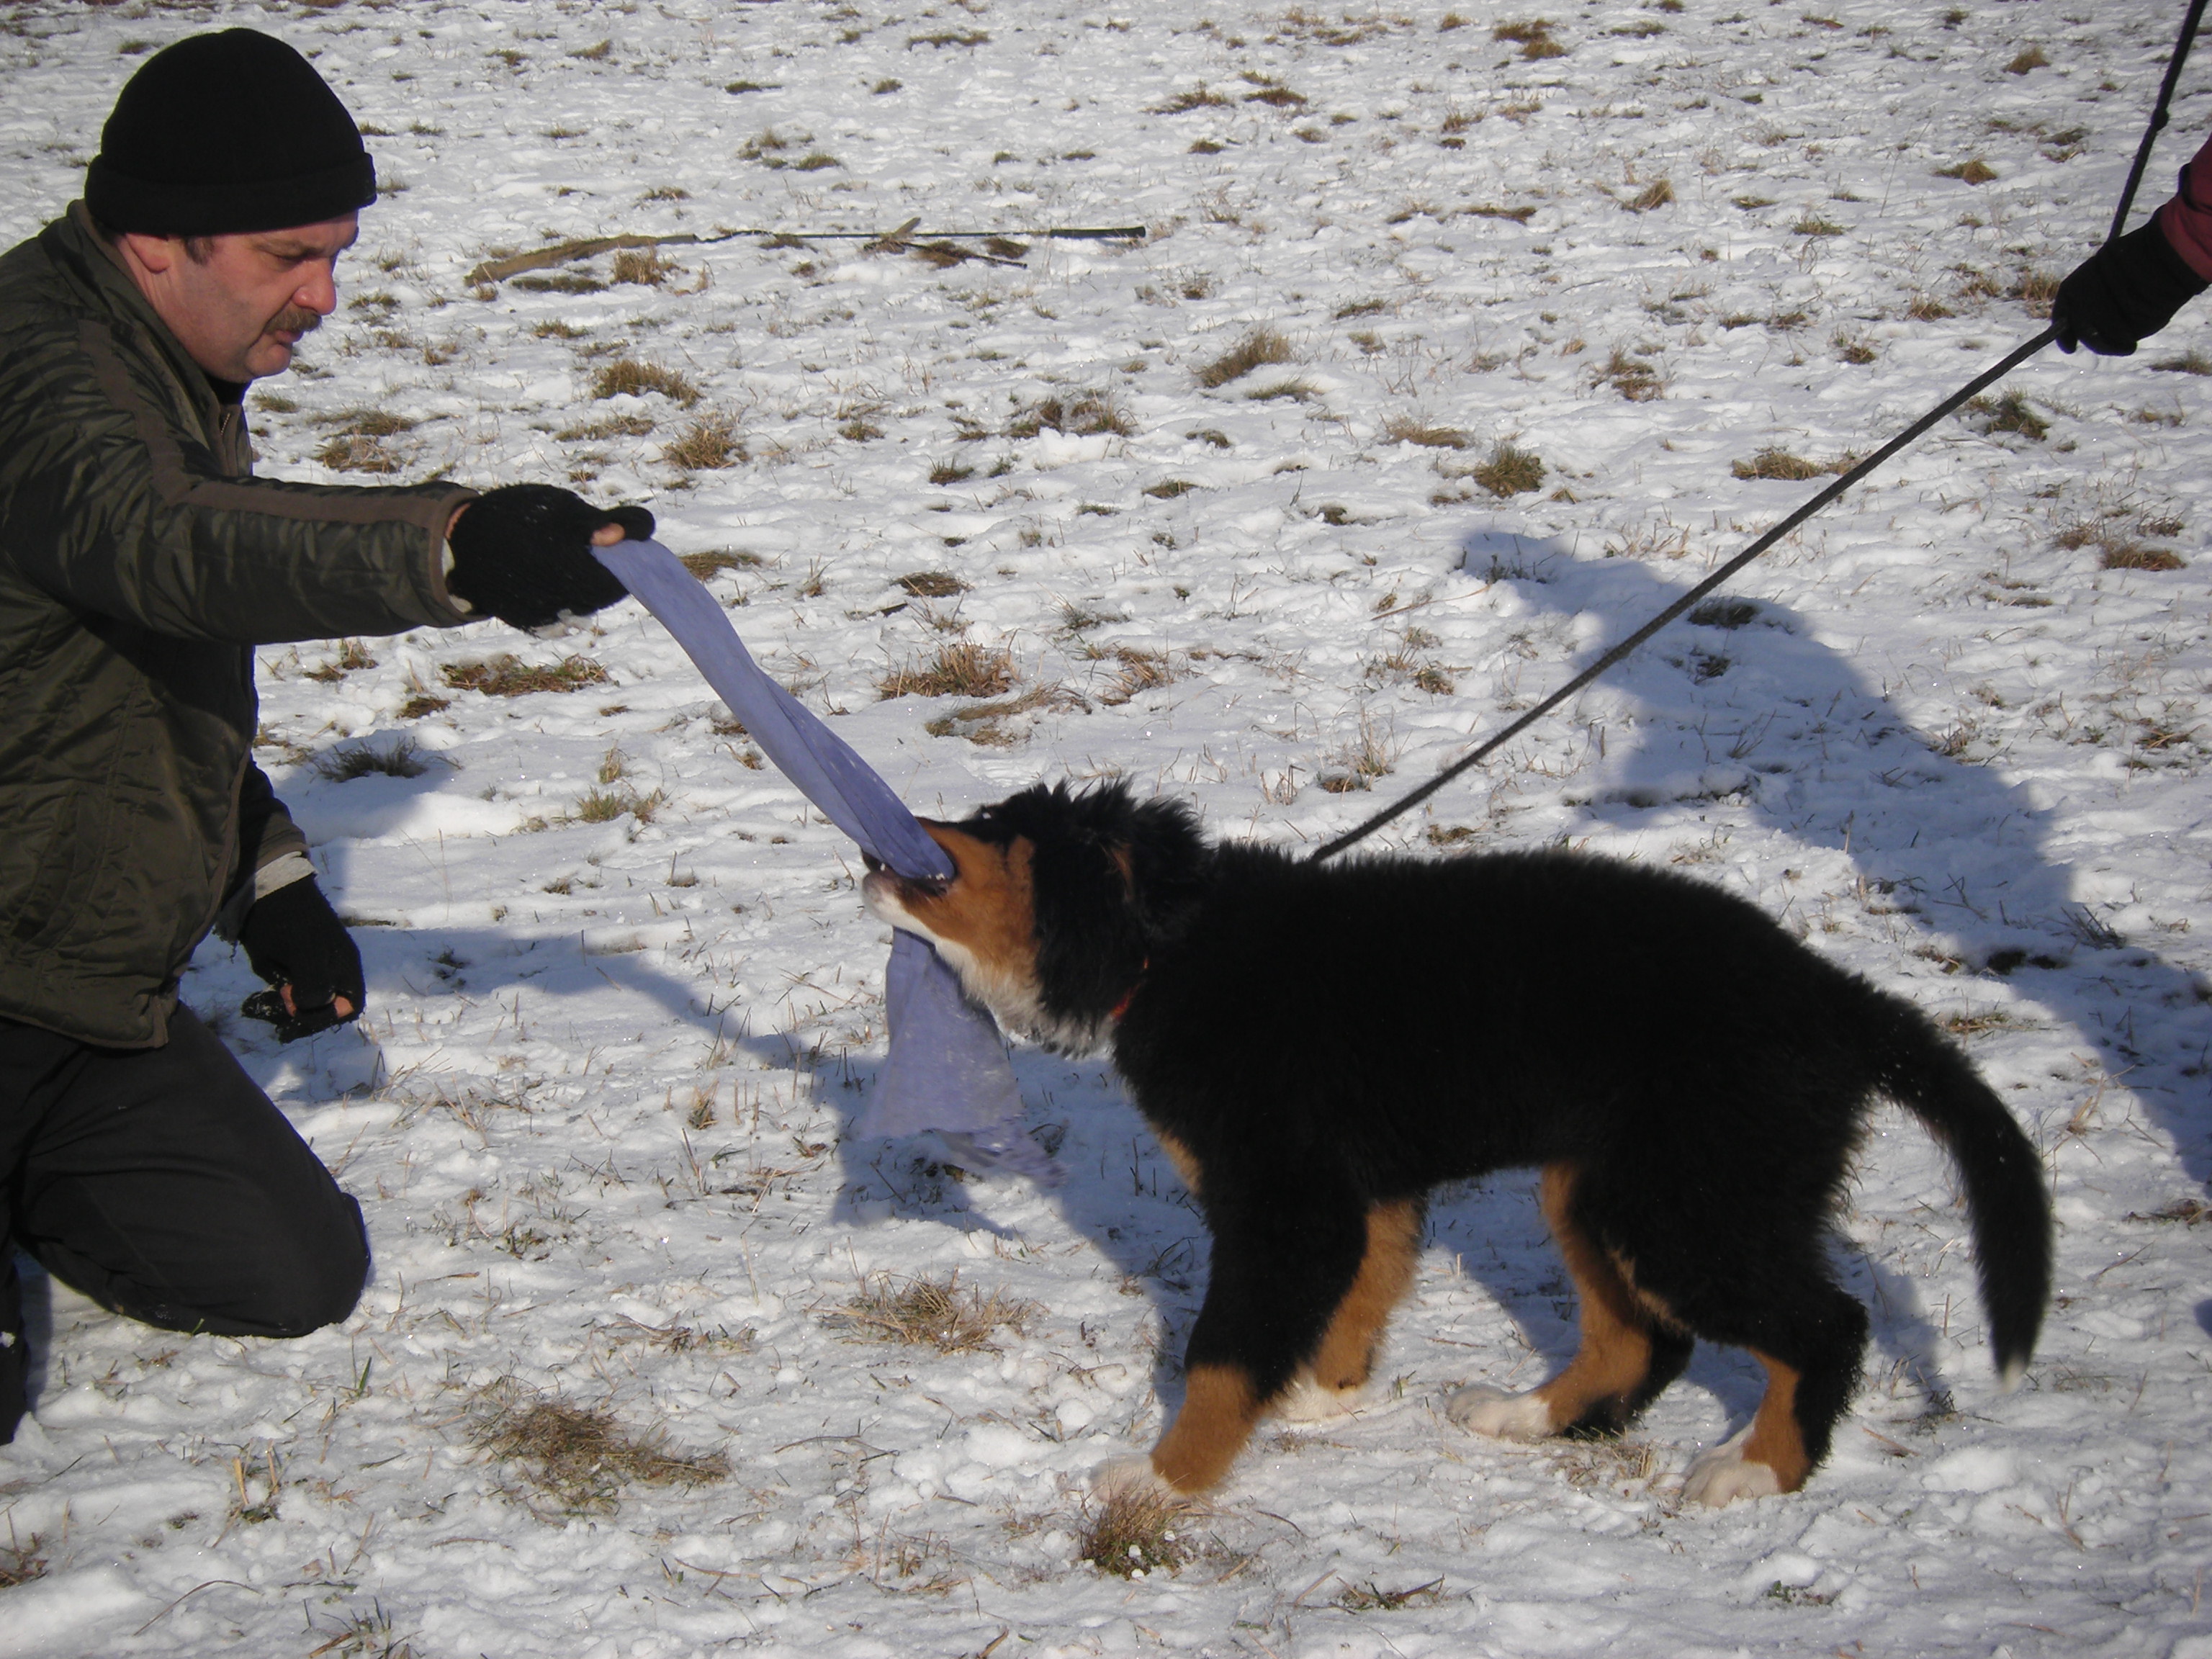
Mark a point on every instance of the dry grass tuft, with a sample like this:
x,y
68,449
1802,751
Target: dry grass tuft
x,y
2030,58
615,426
1083,415
1635,379
636,378
931,584
1973,171
1409,429
1775,461
1262,345
644,266
402,758
578,1457
1133,1534
2011,413
1373,753
507,676
706,566
1511,470
710,443
2036,289
965,669
2134,556
936,1312
1196,97
1371,1598
1656,194
1140,671
358,445
20,1561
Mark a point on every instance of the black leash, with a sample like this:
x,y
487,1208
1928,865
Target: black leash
x,y
2011,359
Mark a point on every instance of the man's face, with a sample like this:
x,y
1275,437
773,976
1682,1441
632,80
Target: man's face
x,y
241,309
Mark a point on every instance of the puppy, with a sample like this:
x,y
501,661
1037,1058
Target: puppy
x,y
1317,1047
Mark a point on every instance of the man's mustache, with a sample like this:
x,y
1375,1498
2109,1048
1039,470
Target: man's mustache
x,y
294,319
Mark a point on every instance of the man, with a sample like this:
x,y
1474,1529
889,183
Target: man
x,y
140,562
2131,288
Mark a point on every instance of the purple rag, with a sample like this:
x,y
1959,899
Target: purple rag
x,y
946,1069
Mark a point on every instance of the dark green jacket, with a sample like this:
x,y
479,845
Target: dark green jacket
x,y
139,562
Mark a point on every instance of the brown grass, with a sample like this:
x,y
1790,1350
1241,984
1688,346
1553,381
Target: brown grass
x,y
637,378
21,1560
1084,415
2030,58
1133,1531
1262,345
1140,671
709,444
1633,377
931,584
422,704
643,266
935,1312
1973,171
2011,413
965,669
1655,194
1774,462
1195,98
2134,556
705,565
615,426
1509,471
508,676
1409,429
579,1457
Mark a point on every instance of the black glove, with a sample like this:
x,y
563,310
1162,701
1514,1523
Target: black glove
x,y
2123,293
294,938
524,554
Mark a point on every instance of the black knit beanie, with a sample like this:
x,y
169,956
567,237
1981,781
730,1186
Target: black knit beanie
x,y
224,133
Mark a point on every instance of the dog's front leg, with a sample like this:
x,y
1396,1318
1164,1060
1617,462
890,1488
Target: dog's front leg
x,y
1283,1266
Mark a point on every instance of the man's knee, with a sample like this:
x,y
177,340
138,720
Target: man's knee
x,y
314,1280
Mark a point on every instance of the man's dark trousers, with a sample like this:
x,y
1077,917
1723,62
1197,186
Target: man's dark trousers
x,y
162,1184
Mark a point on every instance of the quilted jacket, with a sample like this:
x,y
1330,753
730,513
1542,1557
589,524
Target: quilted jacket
x,y
140,563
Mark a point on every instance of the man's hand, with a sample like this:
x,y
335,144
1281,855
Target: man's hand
x,y
295,941
524,553
2123,293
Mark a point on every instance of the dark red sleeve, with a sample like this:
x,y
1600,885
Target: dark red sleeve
x,y
2187,219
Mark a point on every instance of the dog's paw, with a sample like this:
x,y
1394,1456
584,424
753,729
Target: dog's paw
x,y
1498,1414
1724,1474
1129,1477
1309,1402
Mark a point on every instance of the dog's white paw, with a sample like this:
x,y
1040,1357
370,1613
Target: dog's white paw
x,y
1308,1401
1498,1414
1131,1475
1724,1474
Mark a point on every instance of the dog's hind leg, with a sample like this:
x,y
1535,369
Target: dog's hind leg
x,y
1631,1348
1330,1386
1811,1347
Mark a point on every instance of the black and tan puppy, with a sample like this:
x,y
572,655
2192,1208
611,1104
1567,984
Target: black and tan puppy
x,y
1318,1047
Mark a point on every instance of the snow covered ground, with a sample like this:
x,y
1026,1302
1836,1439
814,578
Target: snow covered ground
x,y
625,999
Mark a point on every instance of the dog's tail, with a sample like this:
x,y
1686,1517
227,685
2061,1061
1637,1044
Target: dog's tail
x,y
2005,1197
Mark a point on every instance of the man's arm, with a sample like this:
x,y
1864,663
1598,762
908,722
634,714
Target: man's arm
x,y
106,507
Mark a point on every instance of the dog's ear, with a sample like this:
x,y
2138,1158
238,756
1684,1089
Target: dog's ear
x,y
1113,880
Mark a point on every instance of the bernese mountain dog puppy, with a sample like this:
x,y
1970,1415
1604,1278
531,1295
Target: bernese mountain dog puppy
x,y
1318,1046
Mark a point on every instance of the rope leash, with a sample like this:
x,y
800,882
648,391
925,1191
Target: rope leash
x,y
2011,359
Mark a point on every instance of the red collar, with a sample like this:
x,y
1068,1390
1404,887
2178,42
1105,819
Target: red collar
x,y
1128,996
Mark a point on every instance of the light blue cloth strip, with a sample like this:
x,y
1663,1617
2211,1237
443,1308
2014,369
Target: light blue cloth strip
x,y
946,1068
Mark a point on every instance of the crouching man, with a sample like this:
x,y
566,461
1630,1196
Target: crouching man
x,y
140,563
